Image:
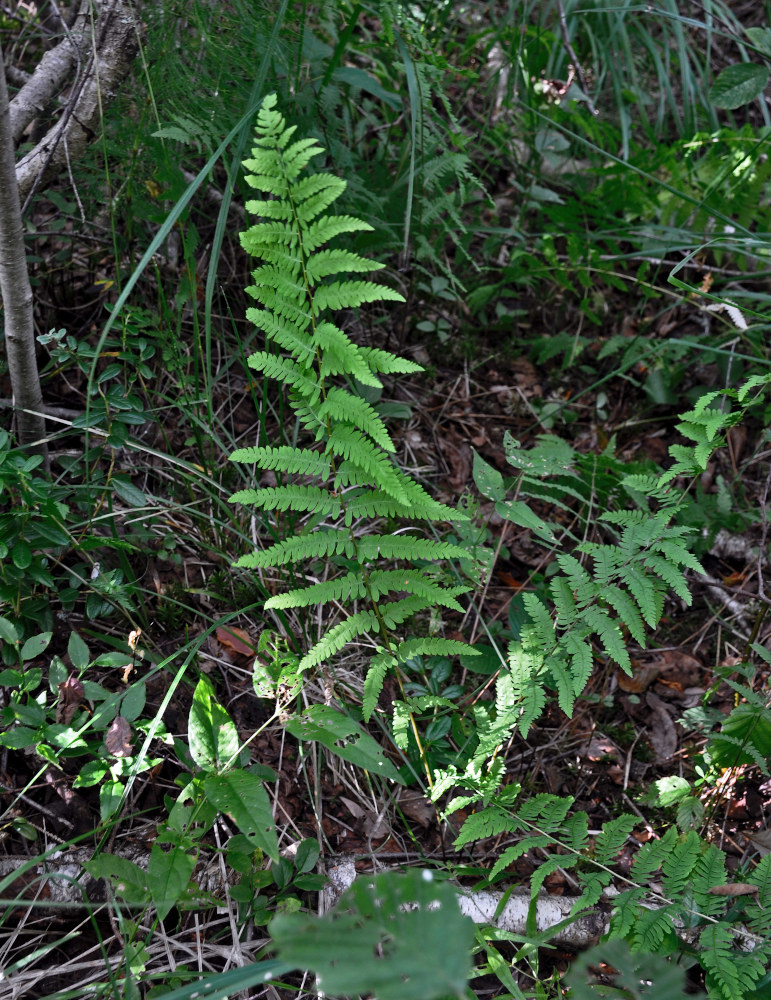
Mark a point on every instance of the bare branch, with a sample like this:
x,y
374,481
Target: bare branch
x,y
51,74
116,44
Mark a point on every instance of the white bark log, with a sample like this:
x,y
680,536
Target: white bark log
x,y
482,907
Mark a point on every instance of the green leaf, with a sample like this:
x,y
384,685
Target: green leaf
x,y
761,38
8,631
488,480
128,880
242,796
212,734
110,798
127,491
307,855
168,876
21,554
399,937
738,85
133,702
343,737
488,661
35,645
224,985
78,651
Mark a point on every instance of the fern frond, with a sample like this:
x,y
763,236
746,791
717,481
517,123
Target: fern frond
x,y
343,588
387,363
318,545
407,547
313,195
432,646
414,582
294,340
321,232
341,356
541,631
627,611
731,975
376,468
327,262
581,659
339,636
299,498
298,461
678,866
373,682
648,594
289,372
488,822
670,574
526,692
609,635
351,294
341,405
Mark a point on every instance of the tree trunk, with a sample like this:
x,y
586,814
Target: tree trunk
x,y
16,294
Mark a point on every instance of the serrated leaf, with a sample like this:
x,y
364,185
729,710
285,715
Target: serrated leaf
x,y
331,728
127,879
168,876
738,85
242,796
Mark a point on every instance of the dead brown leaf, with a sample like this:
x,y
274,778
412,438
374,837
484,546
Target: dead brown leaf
x,y
71,694
417,807
117,739
735,889
661,730
236,640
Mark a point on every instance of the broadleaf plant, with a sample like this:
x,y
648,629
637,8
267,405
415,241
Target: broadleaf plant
x,y
345,447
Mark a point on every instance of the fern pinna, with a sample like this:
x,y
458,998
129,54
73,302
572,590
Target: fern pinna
x,y
345,475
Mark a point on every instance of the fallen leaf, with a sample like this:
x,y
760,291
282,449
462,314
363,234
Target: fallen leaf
x,y
417,807
236,639
600,747
760,840
735,889
643,676
71,694
661,731
117,739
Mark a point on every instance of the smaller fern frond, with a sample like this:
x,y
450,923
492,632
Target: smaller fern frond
x,y
373,682
293,497
387,363
376,468
317,545
298,461
432,646
341,405
327,262
287,371
351,294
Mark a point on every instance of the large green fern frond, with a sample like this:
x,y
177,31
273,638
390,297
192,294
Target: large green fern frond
x,y
342,442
